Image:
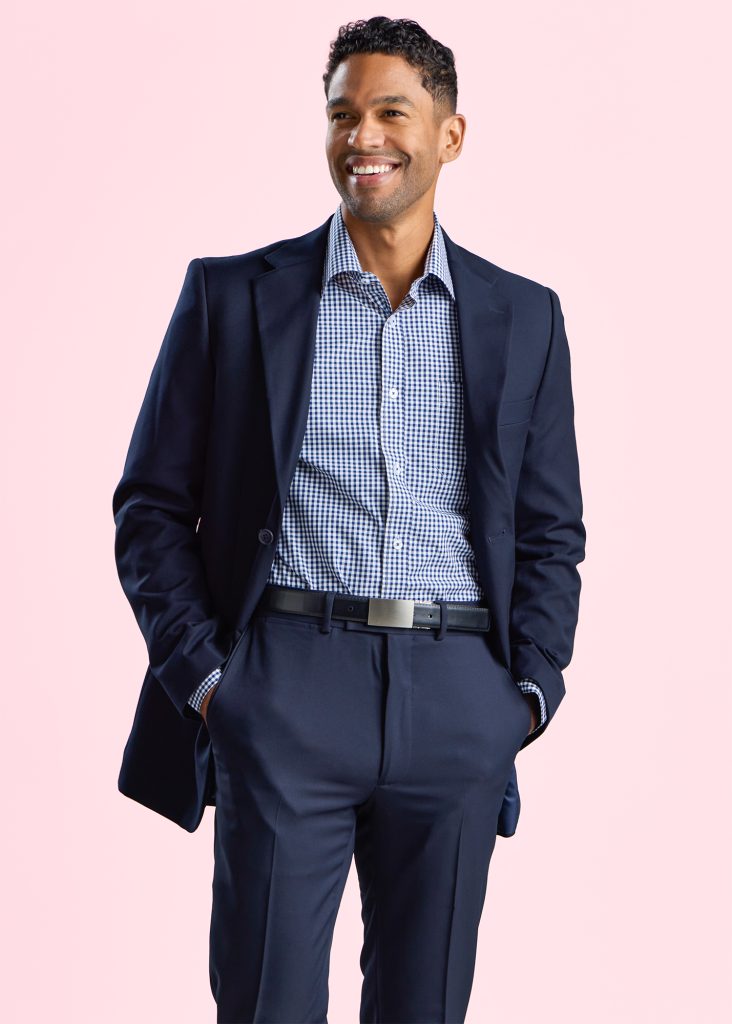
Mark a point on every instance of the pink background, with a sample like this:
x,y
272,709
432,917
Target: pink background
x,y
142,135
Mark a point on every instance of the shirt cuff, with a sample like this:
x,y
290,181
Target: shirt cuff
x,y
531,686
196,698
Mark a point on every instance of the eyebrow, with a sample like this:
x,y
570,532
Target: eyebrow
x,y
343,101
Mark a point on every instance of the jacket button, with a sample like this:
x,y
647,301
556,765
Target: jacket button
x,y
265,536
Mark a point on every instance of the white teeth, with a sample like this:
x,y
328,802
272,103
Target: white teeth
x,y
372,169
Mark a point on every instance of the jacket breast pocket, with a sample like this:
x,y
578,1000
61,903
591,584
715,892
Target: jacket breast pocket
x,y
516,410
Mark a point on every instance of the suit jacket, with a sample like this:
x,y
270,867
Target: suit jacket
x,y
214,448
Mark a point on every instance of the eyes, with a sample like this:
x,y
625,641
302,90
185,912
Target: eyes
x,y
342,113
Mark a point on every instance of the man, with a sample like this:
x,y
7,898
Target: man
x,y
349,525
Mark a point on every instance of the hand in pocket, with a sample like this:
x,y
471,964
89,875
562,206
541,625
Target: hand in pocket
x,y
532,708
207,698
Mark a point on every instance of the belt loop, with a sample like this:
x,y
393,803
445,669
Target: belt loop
x,y
440,635
328,599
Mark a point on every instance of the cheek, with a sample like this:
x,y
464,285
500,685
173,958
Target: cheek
x,y
422,166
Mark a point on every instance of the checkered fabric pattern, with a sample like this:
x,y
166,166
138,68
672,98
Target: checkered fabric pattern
x,y
378,505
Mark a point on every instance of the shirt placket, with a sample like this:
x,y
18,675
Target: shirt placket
x,y
395,551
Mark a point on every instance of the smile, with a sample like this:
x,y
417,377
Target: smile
x,y
371,174
373,169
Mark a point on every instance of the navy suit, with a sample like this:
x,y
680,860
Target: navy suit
x,y
290,757
214,448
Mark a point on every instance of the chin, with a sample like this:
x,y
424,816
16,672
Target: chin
x,y
371,209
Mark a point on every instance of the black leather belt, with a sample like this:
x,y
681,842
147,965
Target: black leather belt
x,y
376,611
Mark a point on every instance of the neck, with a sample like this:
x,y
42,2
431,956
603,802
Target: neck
x,y
394,251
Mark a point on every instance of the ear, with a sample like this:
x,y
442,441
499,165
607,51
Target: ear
x,y
453,136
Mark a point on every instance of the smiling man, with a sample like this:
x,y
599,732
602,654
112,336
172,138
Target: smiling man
x,y
349,525
387,140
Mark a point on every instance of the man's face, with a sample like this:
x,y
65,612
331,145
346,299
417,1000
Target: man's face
x,y
379,113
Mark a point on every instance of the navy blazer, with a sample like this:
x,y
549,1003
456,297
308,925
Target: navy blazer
x,y
199,505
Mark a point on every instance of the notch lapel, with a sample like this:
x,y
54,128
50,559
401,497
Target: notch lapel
x,y
287,302
485,321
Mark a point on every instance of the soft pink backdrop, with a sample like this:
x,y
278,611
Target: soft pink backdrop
x,y
142,135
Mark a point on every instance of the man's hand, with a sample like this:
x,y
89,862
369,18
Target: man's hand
x,y
206,699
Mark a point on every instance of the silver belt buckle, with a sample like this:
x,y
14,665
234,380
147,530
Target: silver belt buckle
x,y
388,611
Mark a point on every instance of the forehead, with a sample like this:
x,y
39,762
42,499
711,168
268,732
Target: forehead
x,y
364,77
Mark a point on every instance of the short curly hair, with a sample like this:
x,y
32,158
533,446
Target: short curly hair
x,y
405,38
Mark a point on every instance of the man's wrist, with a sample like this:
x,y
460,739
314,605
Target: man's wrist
x,y
197,697
530,688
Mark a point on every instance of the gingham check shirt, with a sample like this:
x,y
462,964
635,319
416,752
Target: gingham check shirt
x,y
378,504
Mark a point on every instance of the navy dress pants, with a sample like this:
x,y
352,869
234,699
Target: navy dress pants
x,y
334,739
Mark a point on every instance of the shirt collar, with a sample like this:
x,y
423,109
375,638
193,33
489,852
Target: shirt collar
x,y
341,256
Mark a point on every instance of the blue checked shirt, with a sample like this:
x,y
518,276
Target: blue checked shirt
x,y
378,504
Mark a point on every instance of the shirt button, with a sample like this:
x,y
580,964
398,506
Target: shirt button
x,y
393,392
397,468
265,536
398,544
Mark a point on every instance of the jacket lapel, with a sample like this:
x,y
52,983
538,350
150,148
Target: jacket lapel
x,y
287,301
485,320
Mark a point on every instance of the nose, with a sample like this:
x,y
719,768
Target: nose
x,y
367,133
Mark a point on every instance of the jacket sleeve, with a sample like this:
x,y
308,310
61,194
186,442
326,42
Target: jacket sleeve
x,y
157,504
550,535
